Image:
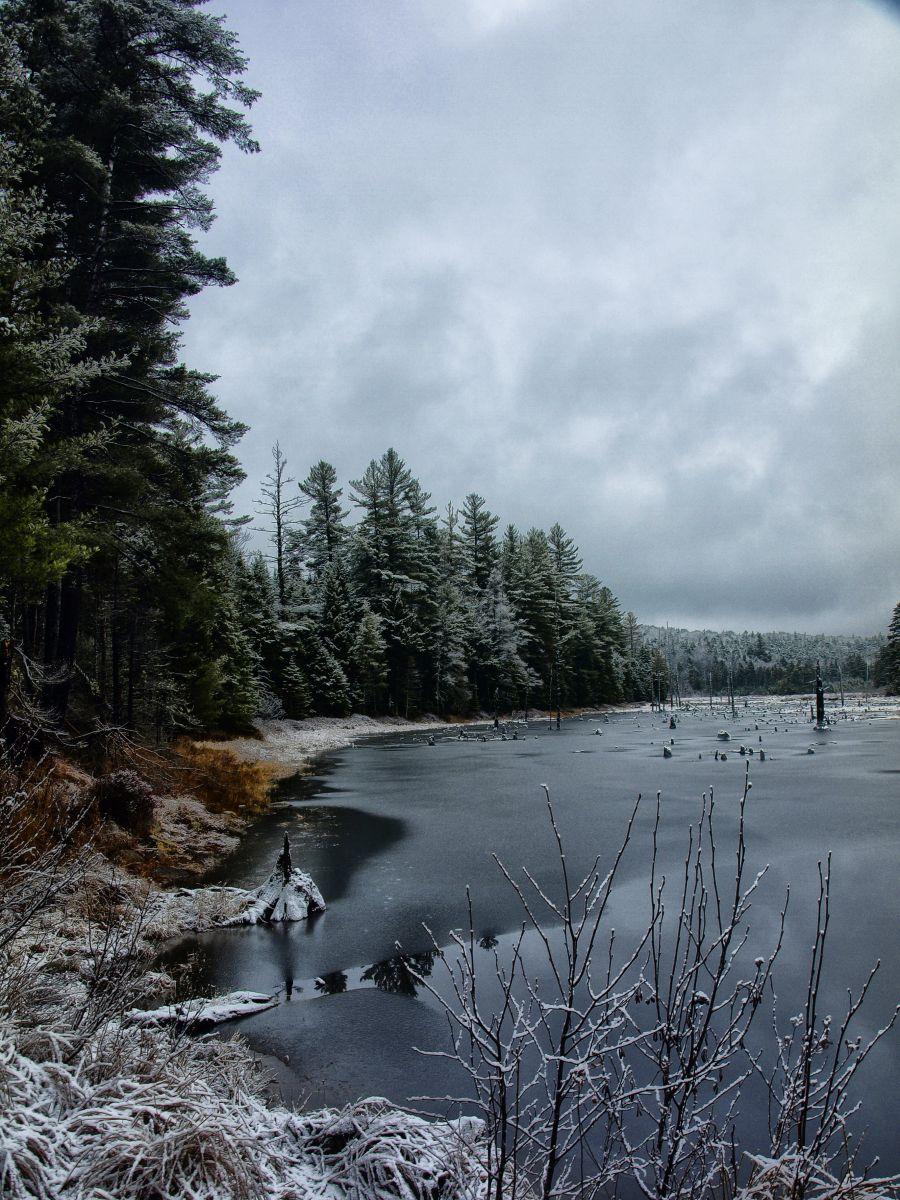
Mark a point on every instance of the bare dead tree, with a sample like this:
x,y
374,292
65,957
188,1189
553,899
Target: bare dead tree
x,y
276,506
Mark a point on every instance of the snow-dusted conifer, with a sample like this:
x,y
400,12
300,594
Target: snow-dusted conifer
x,y
322,535
499,668
369,662
479,546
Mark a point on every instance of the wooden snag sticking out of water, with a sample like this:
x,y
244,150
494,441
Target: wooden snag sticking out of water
x,y
820,699
289,894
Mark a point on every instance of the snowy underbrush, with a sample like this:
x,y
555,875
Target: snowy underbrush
x,y
137,1113
98,1105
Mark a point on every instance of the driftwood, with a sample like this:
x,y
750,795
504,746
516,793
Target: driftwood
x,y
199,1014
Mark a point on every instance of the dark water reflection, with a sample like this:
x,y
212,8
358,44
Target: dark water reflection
x,y
393,833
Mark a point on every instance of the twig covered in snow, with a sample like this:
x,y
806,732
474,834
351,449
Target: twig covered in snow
x,y
628,1067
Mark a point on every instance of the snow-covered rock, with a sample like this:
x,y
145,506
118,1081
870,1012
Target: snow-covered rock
x,y
198,1013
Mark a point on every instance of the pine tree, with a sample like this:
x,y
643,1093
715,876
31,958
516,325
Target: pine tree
x,y
394,554
42,356
129,140
479,546
501,674
450,550
338,611
323,533
369,662
449,649
329,690
887,664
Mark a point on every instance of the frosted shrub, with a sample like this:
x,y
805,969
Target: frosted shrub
x,y
626,1068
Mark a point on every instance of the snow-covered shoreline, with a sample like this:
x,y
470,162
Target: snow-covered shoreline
x,y
290,746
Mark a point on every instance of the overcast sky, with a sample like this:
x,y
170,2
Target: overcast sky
x,y
631,265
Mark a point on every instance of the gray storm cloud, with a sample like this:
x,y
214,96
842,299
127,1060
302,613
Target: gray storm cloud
x,y
624,265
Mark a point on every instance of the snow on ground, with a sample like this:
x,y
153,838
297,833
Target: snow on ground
x,y
131,1113
197,1014
291,744
99,1101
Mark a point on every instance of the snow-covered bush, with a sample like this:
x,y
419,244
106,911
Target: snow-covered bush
x,y
626,1068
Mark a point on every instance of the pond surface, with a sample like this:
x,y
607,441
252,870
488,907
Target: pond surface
x,y
393,831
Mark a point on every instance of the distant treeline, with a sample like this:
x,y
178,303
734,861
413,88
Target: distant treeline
x,y
778,663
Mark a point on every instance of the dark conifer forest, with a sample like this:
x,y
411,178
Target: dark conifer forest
x,y
127,597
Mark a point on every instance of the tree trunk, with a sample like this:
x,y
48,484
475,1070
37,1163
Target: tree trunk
x,y
56,691
5,679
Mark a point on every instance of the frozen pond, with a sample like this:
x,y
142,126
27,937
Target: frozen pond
x,y
393,831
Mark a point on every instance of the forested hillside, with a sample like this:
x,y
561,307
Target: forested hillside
x,y
701,660
370,599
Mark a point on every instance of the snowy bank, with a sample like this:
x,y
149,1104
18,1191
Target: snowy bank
x,y
290,745
139,1114
200,1014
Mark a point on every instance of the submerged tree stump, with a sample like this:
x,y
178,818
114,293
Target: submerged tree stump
x,y
289,894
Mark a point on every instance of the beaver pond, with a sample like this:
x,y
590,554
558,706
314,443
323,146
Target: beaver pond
x,y
394,830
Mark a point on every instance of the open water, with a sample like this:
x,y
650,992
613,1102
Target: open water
x,y
393,832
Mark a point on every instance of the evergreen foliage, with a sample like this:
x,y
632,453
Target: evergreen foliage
x,y
701,661
887,663
118,461
406,612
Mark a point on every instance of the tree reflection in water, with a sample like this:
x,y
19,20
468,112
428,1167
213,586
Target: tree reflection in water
x,y
331,984
394,974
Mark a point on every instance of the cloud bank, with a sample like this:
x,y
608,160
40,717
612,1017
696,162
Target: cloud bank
x,y
625,265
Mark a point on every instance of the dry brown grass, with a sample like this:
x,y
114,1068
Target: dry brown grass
x,y
221,780
46,805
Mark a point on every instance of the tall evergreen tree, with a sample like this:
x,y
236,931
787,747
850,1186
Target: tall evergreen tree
x,y
323,533
479,546
369,675
501,674
394,561
131,135
887,664
42,357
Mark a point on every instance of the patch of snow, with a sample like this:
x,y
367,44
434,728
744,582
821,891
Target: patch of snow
x,y
199,1013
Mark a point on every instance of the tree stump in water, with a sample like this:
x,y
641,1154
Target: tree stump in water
x,y
289,894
